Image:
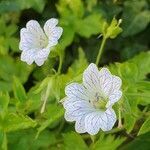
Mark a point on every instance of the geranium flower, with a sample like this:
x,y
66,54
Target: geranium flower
x,y
36,43
90,104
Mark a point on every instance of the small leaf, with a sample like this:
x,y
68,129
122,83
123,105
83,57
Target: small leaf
x,y
108,142
141,142
19,91
55,113
145,127
13,122
90,25
75,141
4,100
135,16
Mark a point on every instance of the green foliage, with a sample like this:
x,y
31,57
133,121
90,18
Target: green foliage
x,y
17,5
133,91
138,16
7,39
13,121
145,127
75,141
31,112
104,143
139,143
4,100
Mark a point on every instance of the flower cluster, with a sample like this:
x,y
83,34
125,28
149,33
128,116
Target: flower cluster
x,y
90,104
36,43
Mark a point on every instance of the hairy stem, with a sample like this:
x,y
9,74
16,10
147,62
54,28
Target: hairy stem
x,y
119,120
45,98
101,50
60,63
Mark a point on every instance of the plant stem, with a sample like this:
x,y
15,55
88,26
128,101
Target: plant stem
x,y
101,50
45,97
119,121
60,63
93,138
4,144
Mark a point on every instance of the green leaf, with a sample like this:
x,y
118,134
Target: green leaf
x,y
19,91
13,122
75,141
143,62
4,101
145,127
54,114
132,73
25,140
139,143
90,25
10,68
135,16
74,7
3,141
79,64
108,142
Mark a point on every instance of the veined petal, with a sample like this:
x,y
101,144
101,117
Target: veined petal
x,y
28,56
27,40
41,56
32,36
34,28
91,78
111,119
100,120
75,114
114,97
92,123
76,91
105,81
56,32
53,33
49,25
80,124
71,105
116,84
76,109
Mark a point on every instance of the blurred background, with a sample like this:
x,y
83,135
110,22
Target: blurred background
x,y
82,21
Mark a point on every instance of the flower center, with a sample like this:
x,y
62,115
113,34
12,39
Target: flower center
x,y
43,42
99,102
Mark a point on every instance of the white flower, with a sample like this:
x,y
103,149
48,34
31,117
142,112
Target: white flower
x,y
36,43
90,104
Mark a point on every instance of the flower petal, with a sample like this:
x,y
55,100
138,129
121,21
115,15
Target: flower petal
x,y
80,125
41,56
76,91
116,84
28,56
53,33
91,78
105,81
32,36
49,25
76,109
92,124
111,119
114,97
27,40
96,120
